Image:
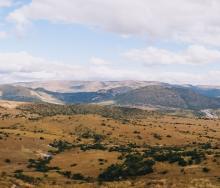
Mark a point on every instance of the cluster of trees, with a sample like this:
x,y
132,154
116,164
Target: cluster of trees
x,y
19,175
96,146
93,135
70,175
121,148
131,147
173,155
41,165
61,145
133,165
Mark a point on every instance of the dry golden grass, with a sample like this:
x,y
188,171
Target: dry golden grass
x,y
23,139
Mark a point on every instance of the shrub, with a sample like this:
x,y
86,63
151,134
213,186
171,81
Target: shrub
x,y
40,165
25,178
157,136
96,146
61,145
69,175
7,161
205,169
133,165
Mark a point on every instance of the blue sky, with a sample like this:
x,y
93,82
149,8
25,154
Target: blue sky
x,y
176,41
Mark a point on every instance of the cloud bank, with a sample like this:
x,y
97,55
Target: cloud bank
x,y
193,55
5,3
3,34
190,21
22,66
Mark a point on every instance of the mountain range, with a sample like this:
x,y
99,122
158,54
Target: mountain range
x,y
122,93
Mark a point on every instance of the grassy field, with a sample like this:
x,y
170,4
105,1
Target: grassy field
x,y
92,146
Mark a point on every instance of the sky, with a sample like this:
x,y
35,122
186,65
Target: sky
x,y
174,41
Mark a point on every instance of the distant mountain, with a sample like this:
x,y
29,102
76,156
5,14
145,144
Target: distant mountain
x,y
20,93
124,93
84,86
207,91
80,97
167,96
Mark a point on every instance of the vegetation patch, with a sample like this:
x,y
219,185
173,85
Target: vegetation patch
x,y
41,165
28,179
175,154
133,165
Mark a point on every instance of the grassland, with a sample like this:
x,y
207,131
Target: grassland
x,y
46,145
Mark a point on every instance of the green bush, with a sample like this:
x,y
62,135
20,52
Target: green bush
x,y
133,165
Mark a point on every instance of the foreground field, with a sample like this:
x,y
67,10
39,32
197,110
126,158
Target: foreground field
x,y
92,146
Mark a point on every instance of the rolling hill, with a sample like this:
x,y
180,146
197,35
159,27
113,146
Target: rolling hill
x,y
20,93
87,146
123,93
171,96
84,86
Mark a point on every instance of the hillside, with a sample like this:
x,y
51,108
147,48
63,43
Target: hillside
x,y
84,86
167,96
18,93
24,94
122,93
48,145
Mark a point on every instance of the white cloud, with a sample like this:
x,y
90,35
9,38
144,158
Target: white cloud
x,y
195,55
99,61
22,66
193,21
5,3
3,34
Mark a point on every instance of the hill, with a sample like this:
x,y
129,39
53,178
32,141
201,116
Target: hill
x,y
49,145
122,93
84,86
167,96
24,94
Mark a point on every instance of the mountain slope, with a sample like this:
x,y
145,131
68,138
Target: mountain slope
x,y
84,86
20,93
167,96
207,91
154,94
17,93
80,97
